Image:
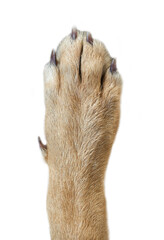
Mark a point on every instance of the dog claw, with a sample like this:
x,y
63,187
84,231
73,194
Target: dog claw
x,y
89,38
41,145
113,67
74,33
53,57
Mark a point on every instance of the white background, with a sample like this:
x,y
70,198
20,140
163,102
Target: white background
x,y
133,33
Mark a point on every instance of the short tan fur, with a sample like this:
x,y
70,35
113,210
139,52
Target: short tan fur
x,y
82,100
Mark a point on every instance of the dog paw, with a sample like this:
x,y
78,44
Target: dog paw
x,y
82,95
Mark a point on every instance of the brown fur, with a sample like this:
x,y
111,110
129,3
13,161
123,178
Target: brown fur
x,y
81,121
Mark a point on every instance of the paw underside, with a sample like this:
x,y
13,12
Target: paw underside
x,y
83,66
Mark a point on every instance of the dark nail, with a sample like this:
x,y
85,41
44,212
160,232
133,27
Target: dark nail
x,y
42,146
89,38
74,33
53,57
113,67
